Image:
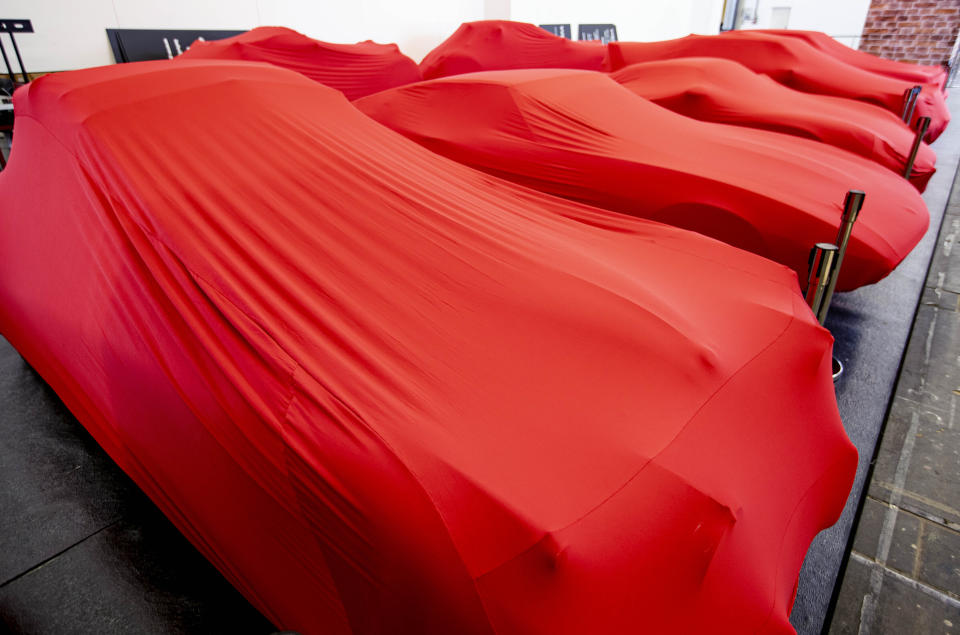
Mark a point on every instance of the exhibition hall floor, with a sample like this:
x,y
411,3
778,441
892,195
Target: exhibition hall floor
x,y
82,550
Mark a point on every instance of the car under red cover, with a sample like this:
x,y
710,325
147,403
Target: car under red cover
x,y
355,70
489,45
580,135
384,392
916,73
794,63
722,91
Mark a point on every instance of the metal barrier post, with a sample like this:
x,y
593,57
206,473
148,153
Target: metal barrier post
x,y
909,103
851,208
822,262
922,124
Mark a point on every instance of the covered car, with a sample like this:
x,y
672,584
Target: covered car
x,y
723,91
489,45
580,135
384,392
794,63
916,73
355,70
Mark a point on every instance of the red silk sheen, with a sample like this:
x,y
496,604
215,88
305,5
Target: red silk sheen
x,y
580,135
490,45
355,70
794,63
916,73
386,393
723,91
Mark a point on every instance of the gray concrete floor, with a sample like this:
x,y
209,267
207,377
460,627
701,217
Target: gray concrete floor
x,y
903,574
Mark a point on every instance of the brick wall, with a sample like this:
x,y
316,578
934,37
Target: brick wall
x,y
920,31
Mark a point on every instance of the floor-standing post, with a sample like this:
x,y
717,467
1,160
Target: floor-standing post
x,y
910,97
822,262
922,124
851,208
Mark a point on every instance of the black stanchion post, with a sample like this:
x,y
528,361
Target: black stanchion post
x,y
922,124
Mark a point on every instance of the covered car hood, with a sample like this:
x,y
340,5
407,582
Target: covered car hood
x,y
794,63
490,45
723,91
384,392
355,70
580,135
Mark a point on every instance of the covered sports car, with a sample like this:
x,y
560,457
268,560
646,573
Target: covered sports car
x,y
355,70
490,45
794,63
386,393
915,73
580,135
722,91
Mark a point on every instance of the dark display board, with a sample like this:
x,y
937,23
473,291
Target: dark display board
x,y
140,45
563,30
606,33
15,26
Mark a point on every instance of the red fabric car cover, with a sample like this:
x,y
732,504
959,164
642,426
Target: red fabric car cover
x,y
794,63
490,45
580,135
355,70
722,91
386,393
915,73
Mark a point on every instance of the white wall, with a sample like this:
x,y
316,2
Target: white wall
x,y
843,19
70,34
639,20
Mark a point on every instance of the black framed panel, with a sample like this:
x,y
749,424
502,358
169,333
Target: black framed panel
x,y
563,30
606,33
141,45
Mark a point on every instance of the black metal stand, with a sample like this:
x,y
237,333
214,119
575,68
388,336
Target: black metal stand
x,y
16,50
6,62
10,27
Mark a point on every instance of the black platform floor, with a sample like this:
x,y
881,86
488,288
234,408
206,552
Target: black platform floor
x,y
83,551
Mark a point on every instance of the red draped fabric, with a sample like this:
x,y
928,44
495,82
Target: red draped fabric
x,y
723,91
580,135
794,63
355,70
490,45
386,393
